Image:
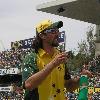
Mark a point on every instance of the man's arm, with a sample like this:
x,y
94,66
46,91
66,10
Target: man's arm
x,y
72,84
37,78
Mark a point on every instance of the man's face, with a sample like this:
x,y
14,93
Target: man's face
x,y
52,37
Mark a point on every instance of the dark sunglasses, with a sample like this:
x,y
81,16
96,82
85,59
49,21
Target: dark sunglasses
x,y
53,31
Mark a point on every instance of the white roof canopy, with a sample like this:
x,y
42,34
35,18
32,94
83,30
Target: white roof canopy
x,y
84,10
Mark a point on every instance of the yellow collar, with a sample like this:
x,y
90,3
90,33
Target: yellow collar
x,y
42,52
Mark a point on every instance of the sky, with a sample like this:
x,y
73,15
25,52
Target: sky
x,y
18,19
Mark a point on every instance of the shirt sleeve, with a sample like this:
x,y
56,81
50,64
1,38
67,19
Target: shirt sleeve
x,y
29,66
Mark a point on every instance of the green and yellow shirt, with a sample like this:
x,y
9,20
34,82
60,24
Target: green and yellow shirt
x,y
52,88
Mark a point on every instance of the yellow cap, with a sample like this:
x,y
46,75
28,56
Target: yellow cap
x,y
43,25
48,24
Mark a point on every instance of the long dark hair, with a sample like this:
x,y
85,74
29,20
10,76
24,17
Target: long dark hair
x,y
37,43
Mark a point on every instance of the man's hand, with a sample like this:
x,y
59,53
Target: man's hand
x,y
86,72
60,58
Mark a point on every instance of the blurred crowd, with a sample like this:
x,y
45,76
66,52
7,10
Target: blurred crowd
x,y
94,67
13,58
95,81
10,96
16,93
74,96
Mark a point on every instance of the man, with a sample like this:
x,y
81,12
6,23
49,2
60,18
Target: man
x,y
44,73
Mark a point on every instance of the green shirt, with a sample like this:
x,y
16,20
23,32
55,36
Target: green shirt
x,y
29,67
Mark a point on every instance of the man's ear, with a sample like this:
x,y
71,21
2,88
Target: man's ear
x,y
42,36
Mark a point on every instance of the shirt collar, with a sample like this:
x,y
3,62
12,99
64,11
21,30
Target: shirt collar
x,y
42,52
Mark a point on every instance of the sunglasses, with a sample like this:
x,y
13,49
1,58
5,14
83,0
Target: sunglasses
x,y
53,31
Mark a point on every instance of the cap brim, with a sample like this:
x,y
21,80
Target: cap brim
x,y
58,24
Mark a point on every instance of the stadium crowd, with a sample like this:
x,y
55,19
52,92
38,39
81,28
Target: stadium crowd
x,y
13,58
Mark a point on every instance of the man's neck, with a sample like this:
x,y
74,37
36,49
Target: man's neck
x,y
48,49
